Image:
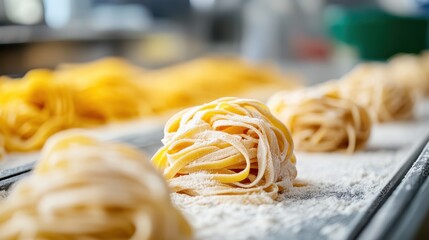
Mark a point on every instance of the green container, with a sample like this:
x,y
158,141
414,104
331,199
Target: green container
x,y
375,34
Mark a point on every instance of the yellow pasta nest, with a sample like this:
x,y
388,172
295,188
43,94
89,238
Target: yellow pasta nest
x,y
34,109
45,102
370,85
230,146
84,189
409,71
105,91
320,121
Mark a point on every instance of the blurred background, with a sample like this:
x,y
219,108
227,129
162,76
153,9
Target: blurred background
x,y
320,39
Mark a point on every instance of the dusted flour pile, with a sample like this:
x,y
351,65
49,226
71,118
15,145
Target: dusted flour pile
x,y
338,188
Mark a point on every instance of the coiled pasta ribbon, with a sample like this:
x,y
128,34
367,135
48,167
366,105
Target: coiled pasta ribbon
x,y
230,146
319,120
84,189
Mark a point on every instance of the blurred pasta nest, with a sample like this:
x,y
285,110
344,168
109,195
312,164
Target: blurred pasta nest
x,y
411,72
230,147
106,90
320,120
34,109
44,102
206,79
372,86
84,189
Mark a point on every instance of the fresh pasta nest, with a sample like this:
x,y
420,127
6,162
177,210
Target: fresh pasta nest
x,y
371,86
186,84
84,189
321,121
410,72
45,102
33,110
230,147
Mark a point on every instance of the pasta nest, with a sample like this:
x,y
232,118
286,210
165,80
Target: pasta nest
x,y
410,72
230,147
45,102
184,85
371,86
33,110
321,121
102,89
84,189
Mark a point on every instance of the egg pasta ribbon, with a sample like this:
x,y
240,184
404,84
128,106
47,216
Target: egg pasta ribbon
x,y
227,147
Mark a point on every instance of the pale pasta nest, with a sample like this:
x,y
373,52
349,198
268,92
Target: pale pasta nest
x,y
321,121
84,189
411,72
227,148
371,85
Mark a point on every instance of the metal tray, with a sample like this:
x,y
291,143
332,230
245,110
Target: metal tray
x,y
405,205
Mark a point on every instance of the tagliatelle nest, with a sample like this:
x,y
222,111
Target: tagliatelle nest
x,y
320,120
84,189
230,147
